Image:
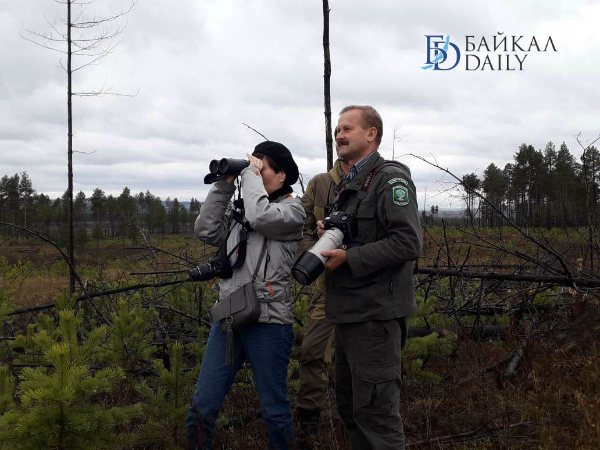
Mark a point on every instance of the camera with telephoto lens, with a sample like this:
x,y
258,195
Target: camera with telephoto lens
x,y
311,263
341,221
217,267
225,166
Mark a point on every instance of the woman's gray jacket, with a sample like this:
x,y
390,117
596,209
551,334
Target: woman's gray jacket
x,y
280,222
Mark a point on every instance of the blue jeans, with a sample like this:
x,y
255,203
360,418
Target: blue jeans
x,y
267,347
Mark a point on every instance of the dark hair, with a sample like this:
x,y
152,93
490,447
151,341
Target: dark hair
x,y
370,118
272,164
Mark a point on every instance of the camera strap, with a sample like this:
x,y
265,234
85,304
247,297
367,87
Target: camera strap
x,y
245,229
250,312
241,249
362,193
365,186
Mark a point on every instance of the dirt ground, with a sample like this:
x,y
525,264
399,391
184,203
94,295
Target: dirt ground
x,y
552,401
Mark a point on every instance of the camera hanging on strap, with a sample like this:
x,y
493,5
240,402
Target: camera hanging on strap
x,y
219,265
341,230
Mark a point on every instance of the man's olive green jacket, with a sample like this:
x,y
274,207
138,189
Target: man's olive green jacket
x,y
377,282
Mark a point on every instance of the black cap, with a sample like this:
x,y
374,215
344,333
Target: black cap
x,y
282,156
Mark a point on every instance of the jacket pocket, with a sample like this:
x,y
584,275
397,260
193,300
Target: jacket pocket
x,y
268,292
345,279
376,389
366,226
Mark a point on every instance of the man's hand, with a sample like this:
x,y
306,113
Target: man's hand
x,y
229,178
337,257
320,229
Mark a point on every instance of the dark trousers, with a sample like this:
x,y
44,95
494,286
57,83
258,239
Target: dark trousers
x,y
314,354
367,372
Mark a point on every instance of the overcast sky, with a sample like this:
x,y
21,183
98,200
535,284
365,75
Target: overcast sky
x,y
203,68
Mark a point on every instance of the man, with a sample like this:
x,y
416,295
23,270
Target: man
x,y
317,344
369,284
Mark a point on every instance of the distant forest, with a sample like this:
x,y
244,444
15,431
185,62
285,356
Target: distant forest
x,y
99,216
540,188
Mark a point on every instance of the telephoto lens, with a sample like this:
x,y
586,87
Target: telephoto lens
x,y
218,267
311,263
202,273
231,166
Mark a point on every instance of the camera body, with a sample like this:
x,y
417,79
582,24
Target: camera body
x,y
342,221
217,267
310,265
224,166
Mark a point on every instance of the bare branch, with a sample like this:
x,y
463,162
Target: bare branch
x,y
101,56
42,45
156,249
98,20
469,435
101,294
105,93
49,37
257,132
548,249
84,153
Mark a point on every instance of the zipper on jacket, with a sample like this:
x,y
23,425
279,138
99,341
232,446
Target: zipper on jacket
x,y
271,288
267,259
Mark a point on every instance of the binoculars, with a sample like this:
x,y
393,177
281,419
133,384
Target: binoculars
x,y
224,166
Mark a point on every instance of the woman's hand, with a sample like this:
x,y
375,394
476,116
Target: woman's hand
x,y
255,162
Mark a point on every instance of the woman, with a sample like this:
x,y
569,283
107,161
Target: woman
x,y
273,215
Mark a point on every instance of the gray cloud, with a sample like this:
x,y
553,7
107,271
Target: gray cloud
x,y
204,68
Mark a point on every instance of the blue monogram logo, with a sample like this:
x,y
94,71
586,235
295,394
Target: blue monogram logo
x,y
440,55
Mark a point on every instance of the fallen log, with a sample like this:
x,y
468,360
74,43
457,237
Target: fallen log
x,y
486,432
480,332
99,294
492,310
552,279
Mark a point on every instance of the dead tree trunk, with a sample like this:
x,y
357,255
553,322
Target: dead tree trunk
x,y
70,153
327,90
84,39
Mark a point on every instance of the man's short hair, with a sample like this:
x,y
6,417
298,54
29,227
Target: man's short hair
x,y
370,118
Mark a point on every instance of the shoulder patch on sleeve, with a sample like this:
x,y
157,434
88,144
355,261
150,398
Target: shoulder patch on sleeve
x,y
400,195
398,180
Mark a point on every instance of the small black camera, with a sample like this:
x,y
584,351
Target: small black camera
x,y
217,267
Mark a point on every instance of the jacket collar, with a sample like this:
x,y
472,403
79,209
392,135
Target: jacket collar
x,y
283,191
373,162
336,172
